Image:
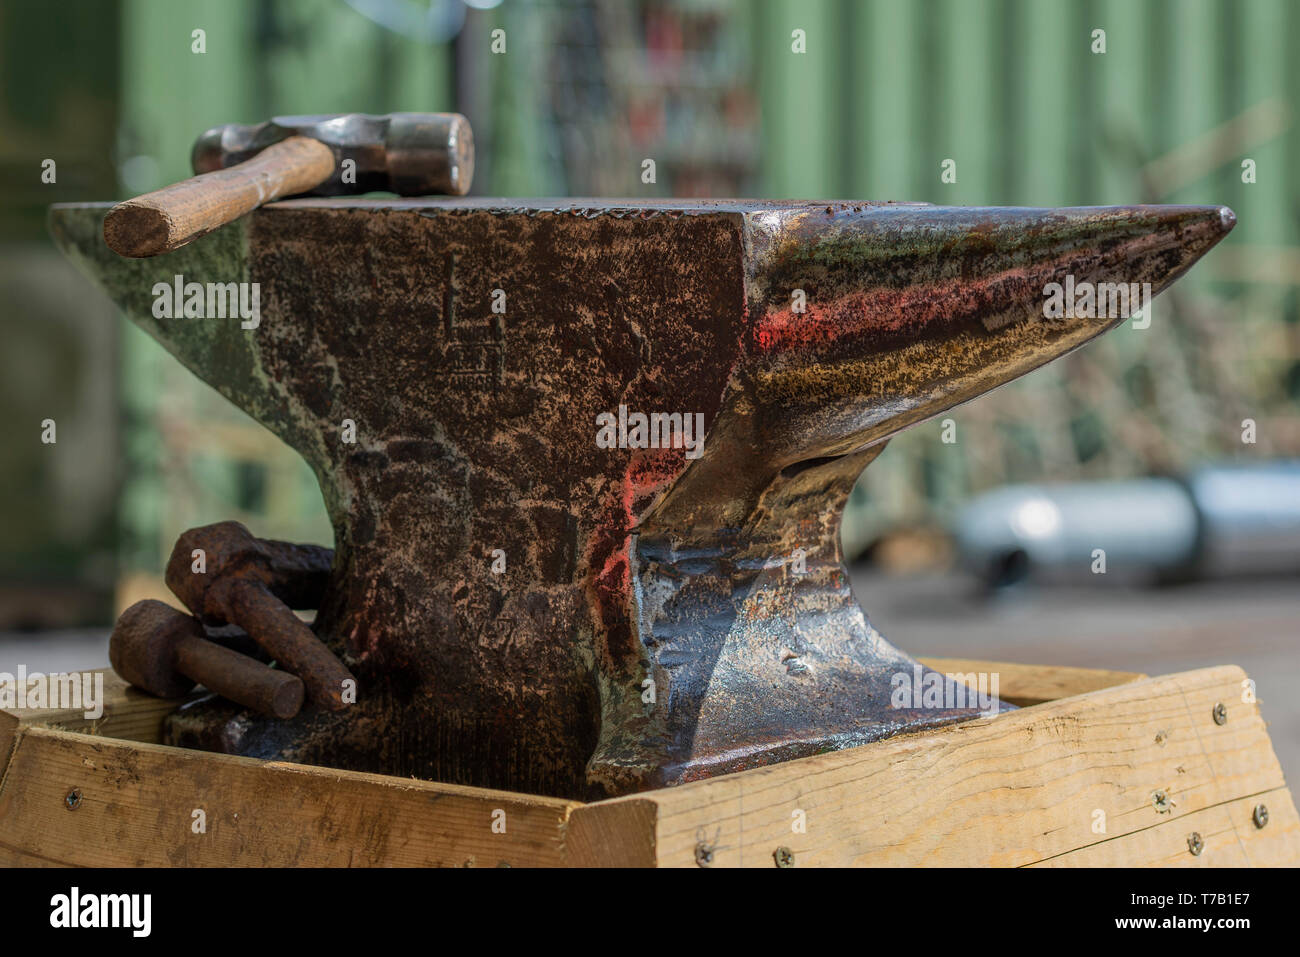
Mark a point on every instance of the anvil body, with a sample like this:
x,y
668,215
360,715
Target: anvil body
x,y
660,616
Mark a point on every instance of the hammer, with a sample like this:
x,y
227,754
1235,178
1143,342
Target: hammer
x,y
165,652
241,167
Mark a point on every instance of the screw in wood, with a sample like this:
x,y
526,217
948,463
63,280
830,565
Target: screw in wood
x,y
73,800
1195,844
1160,801
1220,714
784,857
703,855
1260,817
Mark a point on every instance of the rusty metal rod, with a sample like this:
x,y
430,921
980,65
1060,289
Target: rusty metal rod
x,y
241,679
245,581
285,637
164,652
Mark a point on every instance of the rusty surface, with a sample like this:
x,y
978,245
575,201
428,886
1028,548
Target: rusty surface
x,y
476,431
164,652
253,583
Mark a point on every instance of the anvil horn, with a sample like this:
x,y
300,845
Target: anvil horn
x,y
907,312
910,310
915,309
660,615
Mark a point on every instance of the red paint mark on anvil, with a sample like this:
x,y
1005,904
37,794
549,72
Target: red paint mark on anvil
x,y
931,307
366,637
647,471
609,557
608,560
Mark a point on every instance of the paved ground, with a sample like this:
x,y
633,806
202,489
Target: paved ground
x,y
50,652
1252,624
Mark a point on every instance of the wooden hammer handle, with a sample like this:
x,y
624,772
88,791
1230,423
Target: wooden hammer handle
x,y
168,218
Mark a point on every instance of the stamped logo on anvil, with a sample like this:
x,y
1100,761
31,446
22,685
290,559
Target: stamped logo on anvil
x,y
472,350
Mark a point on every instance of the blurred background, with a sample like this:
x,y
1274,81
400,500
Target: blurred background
x,y
1192,101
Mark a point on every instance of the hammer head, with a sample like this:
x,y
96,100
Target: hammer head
x,y
227,547
143,647
411,154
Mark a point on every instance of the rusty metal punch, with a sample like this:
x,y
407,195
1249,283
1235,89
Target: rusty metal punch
x,y
254,583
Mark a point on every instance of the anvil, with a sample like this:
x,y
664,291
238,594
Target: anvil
x,y
528,604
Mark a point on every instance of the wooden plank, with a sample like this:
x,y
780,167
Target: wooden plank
x,y
136,716
1021,788
137,802
127,713
621,834
1229,838
1025,685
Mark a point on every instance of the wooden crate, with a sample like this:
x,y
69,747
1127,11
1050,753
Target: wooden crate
x,y
1100,768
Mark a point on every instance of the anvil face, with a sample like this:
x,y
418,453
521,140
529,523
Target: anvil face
x,y
666,610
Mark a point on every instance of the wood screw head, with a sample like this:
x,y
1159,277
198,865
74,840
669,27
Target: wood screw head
x,y
73,800
1260,817
703,855
1220,713
1160,801
1195,844
783,856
